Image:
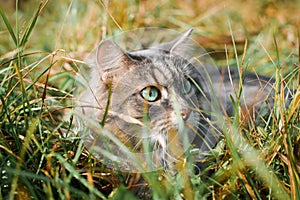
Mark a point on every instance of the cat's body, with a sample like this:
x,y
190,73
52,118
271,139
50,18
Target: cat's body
x,y
161,96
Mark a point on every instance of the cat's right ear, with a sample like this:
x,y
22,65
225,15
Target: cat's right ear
x,y
182,45
112,61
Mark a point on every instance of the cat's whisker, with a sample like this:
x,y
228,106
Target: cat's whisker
x,y
167,158
138,144
161,140
128,139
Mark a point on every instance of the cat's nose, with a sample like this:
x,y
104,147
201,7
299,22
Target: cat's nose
x,y
185,113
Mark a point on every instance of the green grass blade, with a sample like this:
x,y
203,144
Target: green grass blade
x,y
8,26
107,105
77,175
30,27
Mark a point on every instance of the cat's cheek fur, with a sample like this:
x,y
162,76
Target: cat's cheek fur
x,y
135,107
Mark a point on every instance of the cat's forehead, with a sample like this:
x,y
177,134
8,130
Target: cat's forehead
x,y
163,69
151,70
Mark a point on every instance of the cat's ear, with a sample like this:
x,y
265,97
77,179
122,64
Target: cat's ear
x,y
112,61
179,46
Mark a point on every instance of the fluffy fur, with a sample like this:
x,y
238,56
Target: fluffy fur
x,y
161,102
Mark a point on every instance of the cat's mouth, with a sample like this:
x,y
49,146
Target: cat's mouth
x,y
172,141
168,148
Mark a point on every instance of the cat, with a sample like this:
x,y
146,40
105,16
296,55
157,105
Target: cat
x,y
153,105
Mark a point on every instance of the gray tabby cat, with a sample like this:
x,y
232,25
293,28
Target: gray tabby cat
x,y
155,104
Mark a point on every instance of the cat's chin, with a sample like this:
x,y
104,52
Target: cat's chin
x,y
119,151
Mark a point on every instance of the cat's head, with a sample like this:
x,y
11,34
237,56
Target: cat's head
x,y
147,95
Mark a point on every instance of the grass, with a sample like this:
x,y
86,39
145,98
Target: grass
x,y
40,54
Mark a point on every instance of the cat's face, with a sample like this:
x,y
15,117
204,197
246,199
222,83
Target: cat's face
x,y
158,92
152,97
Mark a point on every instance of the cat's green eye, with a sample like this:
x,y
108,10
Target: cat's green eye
x,y
186,87
150,93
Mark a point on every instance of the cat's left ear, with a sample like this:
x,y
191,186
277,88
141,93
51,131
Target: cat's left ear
x,y
112,61
179,46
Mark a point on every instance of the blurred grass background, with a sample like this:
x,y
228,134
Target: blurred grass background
x,y
37,77
78,26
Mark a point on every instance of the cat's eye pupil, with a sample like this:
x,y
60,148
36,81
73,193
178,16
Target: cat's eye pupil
x,y
150,93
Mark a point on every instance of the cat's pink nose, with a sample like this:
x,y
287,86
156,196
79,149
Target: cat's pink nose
x,y
185,113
